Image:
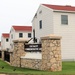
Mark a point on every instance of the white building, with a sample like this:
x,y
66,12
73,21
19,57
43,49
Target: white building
x,y
5,42
58,20
18,32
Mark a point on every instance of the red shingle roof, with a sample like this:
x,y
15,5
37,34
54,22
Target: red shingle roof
x,y
59,7
5,35
22,28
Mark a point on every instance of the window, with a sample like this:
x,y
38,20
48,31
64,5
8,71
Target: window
x,y
29,35
20,34
7,40
64,19
40,24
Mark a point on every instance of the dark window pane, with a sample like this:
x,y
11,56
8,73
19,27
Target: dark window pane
x,y
7,40
20,35
29,35
40,24
64,19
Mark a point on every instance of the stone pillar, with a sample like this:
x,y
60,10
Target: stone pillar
x,y
17,52
2,54
51,53
11,56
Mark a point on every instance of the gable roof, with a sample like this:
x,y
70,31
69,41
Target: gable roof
x,y
59,7
22,28
5,35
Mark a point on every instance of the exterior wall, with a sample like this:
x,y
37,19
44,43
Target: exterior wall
x,y
16,36
15,57
12,33
68,34
4,44
51,53
46,16
2,55
25,34
52,25
31,63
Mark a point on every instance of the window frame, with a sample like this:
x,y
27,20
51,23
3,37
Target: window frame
x,y
40,24
29,35
7,40
64,19
20,35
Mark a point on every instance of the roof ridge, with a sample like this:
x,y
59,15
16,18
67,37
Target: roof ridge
x,y
5,34
22,28
60,7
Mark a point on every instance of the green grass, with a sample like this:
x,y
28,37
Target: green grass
x,y
67,68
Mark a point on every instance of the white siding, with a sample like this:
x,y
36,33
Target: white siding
x,y
47,22
1,43
52,25
7,44
25,34
4,44
12,33
16,36
68,34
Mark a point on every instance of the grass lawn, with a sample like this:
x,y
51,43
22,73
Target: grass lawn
x,y
67,68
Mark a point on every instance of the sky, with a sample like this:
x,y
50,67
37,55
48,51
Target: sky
x,y
21,12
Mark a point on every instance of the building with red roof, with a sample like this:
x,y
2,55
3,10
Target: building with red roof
x,y
5,41
58,20
18,32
